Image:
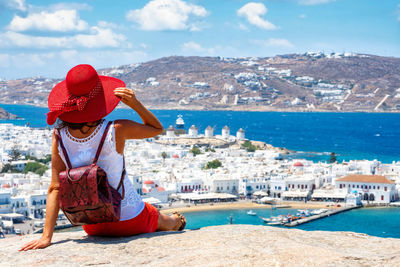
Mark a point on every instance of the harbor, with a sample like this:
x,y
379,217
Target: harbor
x,y
319,216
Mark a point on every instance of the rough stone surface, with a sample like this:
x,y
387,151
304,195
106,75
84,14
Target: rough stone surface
x,y
230,245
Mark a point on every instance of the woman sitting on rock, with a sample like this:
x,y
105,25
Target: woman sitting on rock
x,y
80,103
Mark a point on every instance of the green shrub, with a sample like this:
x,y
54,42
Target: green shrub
x,y
249,146
35,167
195,150
213,164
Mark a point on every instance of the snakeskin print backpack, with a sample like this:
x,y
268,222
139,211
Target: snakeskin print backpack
x,y
85,194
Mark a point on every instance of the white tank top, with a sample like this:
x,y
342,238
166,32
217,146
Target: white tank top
x,y
81,152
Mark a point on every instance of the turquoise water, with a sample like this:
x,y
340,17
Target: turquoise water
x,y
382,222
350,135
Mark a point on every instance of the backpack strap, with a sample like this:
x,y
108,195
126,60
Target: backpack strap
x,y
103,138
121,182
57,133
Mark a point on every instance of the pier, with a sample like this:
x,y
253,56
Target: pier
x,y
320,216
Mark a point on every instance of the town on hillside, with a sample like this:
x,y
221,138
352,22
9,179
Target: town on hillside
x,y
313,81
191,168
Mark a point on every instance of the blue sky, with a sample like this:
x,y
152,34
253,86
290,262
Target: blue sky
x,y
47,38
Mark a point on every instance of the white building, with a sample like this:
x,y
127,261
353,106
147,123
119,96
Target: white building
x,y
37,204
209,132
5,202
299,188
151,189
193,131
240,134
277,185
170,132
222,185
189,185
225,132
372,188
247,186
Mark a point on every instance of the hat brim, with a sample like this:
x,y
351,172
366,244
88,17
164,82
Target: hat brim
x,y
96,108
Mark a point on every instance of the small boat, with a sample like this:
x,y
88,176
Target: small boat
x,y
278,220
275,223
251,213
267,220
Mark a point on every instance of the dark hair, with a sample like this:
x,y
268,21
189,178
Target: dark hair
x,y
75,126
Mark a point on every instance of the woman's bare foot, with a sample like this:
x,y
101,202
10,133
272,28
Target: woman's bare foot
x,y
181,222
175,222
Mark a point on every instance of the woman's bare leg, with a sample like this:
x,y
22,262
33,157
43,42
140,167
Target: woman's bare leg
x,y
168,223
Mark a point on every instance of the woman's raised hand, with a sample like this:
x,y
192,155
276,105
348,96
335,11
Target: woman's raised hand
x,y
127,95
35,244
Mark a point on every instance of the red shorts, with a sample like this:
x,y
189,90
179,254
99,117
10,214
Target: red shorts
x,y
145,222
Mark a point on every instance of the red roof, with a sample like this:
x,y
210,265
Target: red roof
x,y
144,190
298,164
175,156
6,186
161,189
148,182
359,178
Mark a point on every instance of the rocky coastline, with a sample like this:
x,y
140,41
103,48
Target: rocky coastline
x,y
4,115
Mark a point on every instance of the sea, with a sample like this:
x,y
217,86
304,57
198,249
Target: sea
x,y
382,222
313,136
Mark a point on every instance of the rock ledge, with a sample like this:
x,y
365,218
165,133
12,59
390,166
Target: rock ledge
x,y
227,245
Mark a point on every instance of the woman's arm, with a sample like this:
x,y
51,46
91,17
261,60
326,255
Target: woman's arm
x,y
52,205
127,129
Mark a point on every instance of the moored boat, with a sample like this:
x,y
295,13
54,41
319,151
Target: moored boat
x,y
251,213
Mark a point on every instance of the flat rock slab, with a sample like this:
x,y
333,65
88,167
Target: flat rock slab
x,y
237,245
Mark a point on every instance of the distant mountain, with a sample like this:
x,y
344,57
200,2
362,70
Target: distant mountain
x,y
294,82
4,115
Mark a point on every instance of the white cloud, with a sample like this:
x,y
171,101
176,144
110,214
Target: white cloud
x,y
159,15
100,37
14,4
302,16
274,42
58,21
57,64
194,48
252,12
314,2
63,6
97,38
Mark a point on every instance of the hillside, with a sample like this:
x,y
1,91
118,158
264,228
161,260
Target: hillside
x,y
4,115
296,82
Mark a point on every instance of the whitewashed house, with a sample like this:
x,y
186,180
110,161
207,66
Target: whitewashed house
x,y
249,185
37,204
5,202
221,184
372,188
299,188
277,185
152,189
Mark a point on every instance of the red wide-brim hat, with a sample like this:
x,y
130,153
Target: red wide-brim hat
x,y
84,96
